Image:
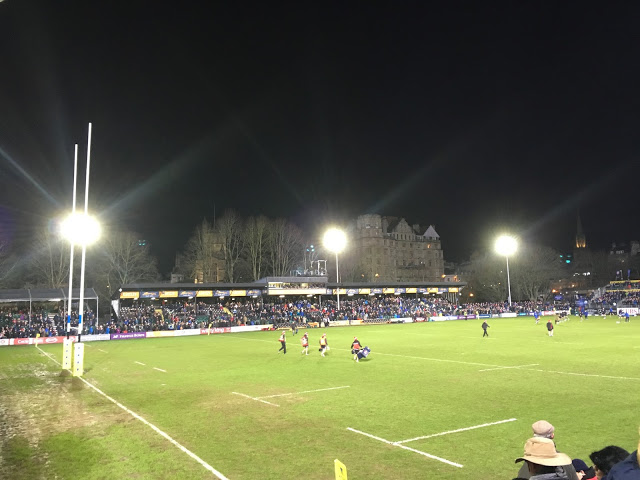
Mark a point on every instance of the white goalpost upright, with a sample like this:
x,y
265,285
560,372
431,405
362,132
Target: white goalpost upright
x,y
66,345
79,229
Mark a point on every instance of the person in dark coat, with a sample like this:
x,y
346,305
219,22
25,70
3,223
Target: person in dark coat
x,y
627,469
604,460
485,325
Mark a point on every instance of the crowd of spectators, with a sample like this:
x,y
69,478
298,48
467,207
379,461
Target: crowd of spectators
x,y
19,323
141,316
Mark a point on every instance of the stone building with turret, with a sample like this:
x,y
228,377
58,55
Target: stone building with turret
x,y
389,249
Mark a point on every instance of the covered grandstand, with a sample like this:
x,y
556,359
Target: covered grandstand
x,y
30,296
281,287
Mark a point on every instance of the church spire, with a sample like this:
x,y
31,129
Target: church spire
x,y
581,241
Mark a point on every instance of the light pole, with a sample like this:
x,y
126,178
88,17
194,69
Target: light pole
x,y
335,240
507,245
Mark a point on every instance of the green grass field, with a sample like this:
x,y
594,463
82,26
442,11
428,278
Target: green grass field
x,y
420,380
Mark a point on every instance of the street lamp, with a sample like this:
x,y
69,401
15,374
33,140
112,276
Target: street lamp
x,y
335,240
506,245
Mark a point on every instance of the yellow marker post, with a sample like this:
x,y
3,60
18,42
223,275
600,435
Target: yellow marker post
x,y
341,470
66,354
78,360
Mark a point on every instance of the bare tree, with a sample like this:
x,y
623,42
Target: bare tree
x,y
488,277
120,259
229,229
534,268
255,234
49,263
285,244
531,271
203,256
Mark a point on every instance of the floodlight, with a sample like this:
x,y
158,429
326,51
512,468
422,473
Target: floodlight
x,y
80,229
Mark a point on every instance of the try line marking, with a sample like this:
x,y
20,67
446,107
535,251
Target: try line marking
x,y
443,460
140,363
150,425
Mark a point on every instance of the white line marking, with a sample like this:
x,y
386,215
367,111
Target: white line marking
x,y
140,363
103,351
515,366
456,431
395,444
306,391
581,374
440,459
150,425
370,436
257,399
439,360
159,369
554,341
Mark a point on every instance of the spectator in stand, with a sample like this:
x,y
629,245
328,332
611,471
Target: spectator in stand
x,y
627,469
543,429
603,460
543,462
582,470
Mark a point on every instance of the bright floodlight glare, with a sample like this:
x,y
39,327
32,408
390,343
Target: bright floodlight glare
x,y
506,245
335,240
80,229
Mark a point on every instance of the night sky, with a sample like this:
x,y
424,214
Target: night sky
x,y
472,117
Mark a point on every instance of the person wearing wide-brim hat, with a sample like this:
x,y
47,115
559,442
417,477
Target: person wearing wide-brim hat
x,y
544,462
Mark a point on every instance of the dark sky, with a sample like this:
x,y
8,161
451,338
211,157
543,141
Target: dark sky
x,y
470,116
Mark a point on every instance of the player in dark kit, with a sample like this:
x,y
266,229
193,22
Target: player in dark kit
x,y
485,325
283,342
364,353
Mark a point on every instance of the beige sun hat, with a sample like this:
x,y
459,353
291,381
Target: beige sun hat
x,y
542,451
